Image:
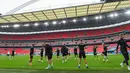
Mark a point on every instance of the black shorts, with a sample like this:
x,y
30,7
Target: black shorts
x,y
49,55
31,56
82,54
75,53
64,54
41,55
94,53
58,54
104,53
7,54
125,55
45,54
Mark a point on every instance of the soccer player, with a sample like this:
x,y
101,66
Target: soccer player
x,y
64,53
31,54
49,53
95,52
82,54
123,49
13,53
58,53
41,54
104,53
8,55
75,52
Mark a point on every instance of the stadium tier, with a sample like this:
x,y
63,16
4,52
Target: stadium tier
x,y
71,34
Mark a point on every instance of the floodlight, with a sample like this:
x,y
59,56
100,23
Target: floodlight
x,y
64,21
46,23
84,19
16,25
74,20
54,22
36,24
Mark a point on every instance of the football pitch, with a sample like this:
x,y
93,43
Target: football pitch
x,y
19,64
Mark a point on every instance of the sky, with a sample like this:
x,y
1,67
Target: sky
x,y
7,5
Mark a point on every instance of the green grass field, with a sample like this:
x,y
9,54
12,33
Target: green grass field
x,y
20,65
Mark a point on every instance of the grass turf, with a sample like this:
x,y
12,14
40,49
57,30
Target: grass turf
x,y
20,65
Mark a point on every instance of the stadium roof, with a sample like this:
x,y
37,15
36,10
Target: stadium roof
x,y
65,12
21,6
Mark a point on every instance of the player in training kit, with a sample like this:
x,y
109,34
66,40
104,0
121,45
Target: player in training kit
x,y
8,55
95,52
41,54
75,52
123,49
13,53
64,52
82,54
49,53
31,54
58,53
104,53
